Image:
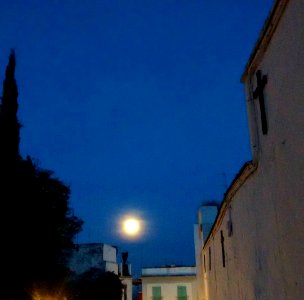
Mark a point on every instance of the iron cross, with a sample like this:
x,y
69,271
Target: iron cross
x,y
259,93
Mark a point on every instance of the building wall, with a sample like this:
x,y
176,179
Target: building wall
x,y
168,286
97,255
171,270
127,281
198,245
111,267
109,253
264,256
206,217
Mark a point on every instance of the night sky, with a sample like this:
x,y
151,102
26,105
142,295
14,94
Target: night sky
x,y
137,106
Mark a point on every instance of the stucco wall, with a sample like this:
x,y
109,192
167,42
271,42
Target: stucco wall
x,y
206,217
169,271
168,286
109,253
264,256
98,256
111,267
127,281
280,212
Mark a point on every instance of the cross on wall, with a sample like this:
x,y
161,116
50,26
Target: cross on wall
x,y
259,93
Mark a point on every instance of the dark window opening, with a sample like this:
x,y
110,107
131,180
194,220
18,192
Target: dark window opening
x,y
259,93
209,259
223,249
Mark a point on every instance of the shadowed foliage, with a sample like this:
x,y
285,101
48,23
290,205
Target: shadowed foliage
x,y
36,224
96,285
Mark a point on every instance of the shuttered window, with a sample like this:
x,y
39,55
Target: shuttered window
x,y
182,292
156,293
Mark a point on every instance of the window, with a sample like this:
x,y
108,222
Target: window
x,y
181,292
259,94
209,259
223,249
156,293
204,263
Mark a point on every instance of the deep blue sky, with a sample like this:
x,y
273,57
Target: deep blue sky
x,y
137,105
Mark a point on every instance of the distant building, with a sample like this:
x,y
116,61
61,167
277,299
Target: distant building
x,y
206,217
255,246
94,255
104,258
169,282
127,287
126,278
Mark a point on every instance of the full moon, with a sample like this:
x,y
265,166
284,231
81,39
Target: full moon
x,y
131,226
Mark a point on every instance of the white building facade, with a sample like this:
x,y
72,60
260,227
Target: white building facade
x,y
94,255
104,258
255,249
168,283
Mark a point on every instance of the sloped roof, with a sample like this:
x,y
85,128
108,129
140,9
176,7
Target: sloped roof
x,y
265,36
245,172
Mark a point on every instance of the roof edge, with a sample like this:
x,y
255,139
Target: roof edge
x,y
245,172
264,38
171,275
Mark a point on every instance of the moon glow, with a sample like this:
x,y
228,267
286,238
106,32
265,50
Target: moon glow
x,y
131,226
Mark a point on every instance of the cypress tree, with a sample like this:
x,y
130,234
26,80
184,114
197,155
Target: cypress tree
x,y
36,223
9,124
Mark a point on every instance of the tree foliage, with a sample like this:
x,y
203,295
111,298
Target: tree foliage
x,y
37,225
96,285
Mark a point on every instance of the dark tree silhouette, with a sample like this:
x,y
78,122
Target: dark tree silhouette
x,y
36,224
9,124
96,285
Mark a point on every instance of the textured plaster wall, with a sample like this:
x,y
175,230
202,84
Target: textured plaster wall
x,y
264,256
169,271
89,256
198,244
206,217
169,286
128,282
109,253
111,267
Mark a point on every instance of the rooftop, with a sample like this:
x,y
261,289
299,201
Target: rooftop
x,y
170,270
265,36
